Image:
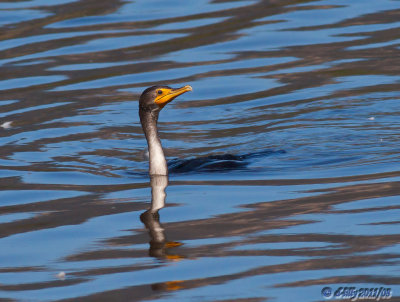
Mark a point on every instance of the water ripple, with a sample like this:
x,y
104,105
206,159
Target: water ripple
x,y
315,85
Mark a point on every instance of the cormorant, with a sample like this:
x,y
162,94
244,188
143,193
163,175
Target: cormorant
x,y
152,100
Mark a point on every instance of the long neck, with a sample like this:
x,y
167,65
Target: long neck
x,y
158,185
157,162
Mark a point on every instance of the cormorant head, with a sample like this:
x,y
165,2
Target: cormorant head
x,y
156,97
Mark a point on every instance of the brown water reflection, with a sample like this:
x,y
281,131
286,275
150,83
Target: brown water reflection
x,y
250,228
317,79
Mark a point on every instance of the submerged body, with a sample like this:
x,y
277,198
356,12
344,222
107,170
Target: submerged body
x,y
221,162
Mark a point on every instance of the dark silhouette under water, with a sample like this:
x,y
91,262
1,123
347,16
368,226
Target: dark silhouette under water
x,y
217,163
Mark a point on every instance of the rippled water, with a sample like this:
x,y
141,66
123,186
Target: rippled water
x,y
317,80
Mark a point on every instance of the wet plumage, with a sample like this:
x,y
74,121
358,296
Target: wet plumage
x,y
151,102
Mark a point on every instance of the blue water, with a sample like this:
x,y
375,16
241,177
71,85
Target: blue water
x,y
314,86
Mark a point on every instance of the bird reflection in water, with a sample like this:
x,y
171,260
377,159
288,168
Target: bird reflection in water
x,y
151,219
151,102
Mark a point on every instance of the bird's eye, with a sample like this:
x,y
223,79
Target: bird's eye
x,y
159,92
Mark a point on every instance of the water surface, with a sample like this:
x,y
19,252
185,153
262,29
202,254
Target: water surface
x,y
314,84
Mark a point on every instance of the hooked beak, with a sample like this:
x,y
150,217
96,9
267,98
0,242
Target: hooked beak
x,y
169,94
